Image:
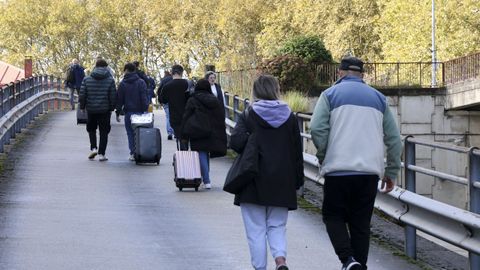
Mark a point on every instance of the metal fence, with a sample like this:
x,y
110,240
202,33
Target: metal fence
x,y
454,225
22,101
463,68
380,75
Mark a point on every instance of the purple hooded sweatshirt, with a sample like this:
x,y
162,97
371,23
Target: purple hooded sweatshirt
x,y
274,112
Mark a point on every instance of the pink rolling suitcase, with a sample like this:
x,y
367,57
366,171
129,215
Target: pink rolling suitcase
x,y
186,165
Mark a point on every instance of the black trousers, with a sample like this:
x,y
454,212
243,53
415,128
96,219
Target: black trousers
x,y
102,121
347,212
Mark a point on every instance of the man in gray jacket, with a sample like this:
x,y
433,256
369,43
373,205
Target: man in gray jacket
x,y
350,127
98,97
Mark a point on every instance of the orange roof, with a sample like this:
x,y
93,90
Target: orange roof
x,y
9,73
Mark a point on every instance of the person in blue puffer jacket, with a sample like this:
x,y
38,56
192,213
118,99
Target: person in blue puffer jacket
x,y
132,99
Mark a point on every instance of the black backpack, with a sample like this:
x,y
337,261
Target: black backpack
x,y
70,75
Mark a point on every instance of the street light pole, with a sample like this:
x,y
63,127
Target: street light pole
x,y
434,51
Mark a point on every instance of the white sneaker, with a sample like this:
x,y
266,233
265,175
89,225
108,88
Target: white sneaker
x,y
131,158
208,186
102,158
93,154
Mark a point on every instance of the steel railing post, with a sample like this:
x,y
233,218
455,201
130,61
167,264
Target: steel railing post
x,y
410,185
235,108
58,94
226,97
246,103
474,177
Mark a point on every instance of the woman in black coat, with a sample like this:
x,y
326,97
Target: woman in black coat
x,y
215,88
215,144
265,202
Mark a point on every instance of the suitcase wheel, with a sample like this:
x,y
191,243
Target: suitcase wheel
x,y
196,188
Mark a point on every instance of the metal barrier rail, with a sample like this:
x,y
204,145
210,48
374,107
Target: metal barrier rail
x,y
451,224
463,68
382,75
22,101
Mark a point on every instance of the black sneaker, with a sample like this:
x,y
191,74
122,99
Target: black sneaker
x,y
351,264
169,137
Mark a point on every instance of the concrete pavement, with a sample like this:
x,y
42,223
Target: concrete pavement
x,y
58,210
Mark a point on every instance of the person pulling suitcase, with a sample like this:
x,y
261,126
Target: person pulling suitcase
x,y
132,99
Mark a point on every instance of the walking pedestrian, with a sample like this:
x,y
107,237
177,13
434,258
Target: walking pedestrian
x,y
175,94
98,97
131,99
216,88
167,77
74,78
265,202
215,144
350,126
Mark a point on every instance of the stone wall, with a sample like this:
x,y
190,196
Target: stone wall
x,y
465,94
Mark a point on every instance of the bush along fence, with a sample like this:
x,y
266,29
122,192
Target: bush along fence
x,y
21,102
414,212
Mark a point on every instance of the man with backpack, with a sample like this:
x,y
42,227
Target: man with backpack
x,y
73,81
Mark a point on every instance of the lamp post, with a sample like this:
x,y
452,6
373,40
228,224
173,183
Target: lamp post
x,y
434,51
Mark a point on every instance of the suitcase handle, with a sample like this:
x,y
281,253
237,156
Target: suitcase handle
x,y
181,147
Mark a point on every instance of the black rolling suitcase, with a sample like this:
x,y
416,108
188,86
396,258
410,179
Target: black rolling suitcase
x,y
82,116
148,145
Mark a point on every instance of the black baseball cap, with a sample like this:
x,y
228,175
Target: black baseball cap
x,y
351,63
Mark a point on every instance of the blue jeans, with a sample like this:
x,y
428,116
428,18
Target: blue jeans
x,y
130,131
73,91
167,115
204,166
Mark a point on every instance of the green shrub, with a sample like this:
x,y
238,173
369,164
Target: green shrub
x,y
292,73
297,101
310,48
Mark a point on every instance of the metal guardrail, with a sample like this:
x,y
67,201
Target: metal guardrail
x,y
463,68
381,75
22,101
451,224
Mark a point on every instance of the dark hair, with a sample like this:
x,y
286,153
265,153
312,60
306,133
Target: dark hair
x,y
166,73
177,69
210,73
203,85
101,63
136,63
130,67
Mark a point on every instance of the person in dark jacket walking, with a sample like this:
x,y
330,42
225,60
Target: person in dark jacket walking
x,y
167,77
215,145
175,95
132,99
74,81
98,97
266,201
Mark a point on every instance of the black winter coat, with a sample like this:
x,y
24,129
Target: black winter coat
x,y
174,94
280,161
216,144
98,93
132,94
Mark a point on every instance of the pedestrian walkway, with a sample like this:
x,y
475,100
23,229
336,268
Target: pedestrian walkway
x,y
58,210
